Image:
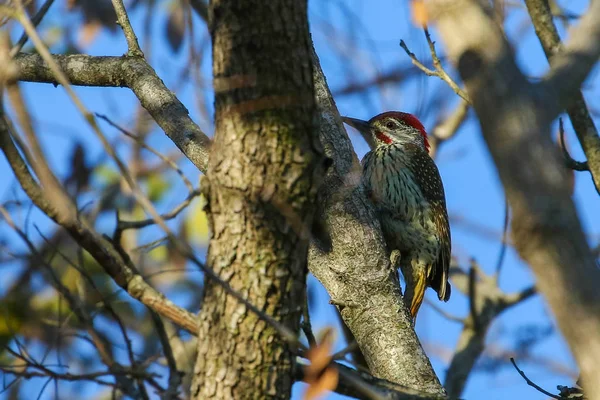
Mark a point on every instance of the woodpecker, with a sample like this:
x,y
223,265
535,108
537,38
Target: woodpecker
x,y
405,186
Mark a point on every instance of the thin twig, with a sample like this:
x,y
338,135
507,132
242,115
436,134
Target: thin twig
x,y
124,225
530,383
569,161
503,244
473,296
340,355
123,21
306,325
416,62
439,71
80,229
193,193
442,74
37,18
141,142
172,391
516,298
78,309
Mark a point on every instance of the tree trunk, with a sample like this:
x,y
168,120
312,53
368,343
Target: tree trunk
x,y
263,175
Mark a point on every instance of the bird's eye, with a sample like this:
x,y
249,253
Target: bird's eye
x,y
390,125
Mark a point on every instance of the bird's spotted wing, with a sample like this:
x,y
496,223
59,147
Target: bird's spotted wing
x,y
425,172
439,280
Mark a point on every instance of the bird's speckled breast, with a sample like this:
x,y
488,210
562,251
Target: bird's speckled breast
x,y
404,210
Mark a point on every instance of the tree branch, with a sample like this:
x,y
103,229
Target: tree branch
x,y
35,21
392,358
585,128
133,47
102,250
439,71
132,72
486,302
362,385
531,383
349,257
570,67
569,161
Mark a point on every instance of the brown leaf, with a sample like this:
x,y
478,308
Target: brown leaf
x,y
88,32
327,382
419,13
175,27
320,375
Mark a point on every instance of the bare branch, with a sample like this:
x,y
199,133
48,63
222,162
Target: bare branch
x,y
136,74
37,18
102,250
585,128
504,243
569,161
123,21
140,142
570,67
172,391
362,385
439,71
486,302
79,310
530,382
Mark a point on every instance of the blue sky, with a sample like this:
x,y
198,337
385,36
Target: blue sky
x,y
367,34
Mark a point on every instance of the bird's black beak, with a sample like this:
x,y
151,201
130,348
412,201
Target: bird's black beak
x,y
362,126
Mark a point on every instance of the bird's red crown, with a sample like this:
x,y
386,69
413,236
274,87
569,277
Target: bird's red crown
x,y
408,119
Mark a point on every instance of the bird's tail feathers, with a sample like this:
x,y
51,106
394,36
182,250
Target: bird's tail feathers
x,y
414,296
445,290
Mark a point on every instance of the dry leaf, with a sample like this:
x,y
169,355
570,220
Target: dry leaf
x,y
88,32
419,13
327,382
320,375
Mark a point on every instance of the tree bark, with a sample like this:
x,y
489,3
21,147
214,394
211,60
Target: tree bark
x,y
263,176
350,259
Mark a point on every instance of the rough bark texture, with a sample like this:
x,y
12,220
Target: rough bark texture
x,y
264,171
515,118
349,257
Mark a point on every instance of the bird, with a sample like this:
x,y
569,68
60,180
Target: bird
x,y
404,184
